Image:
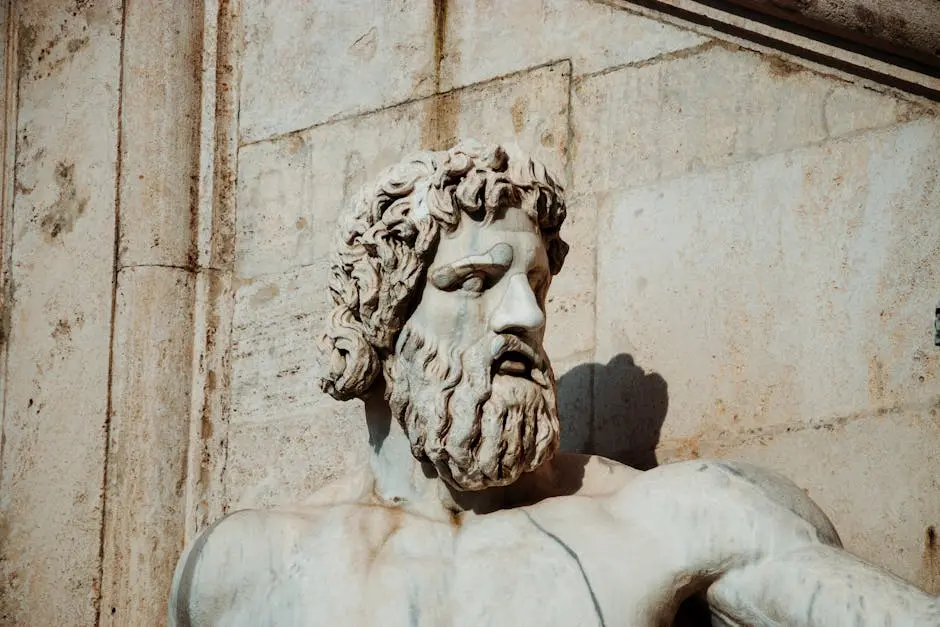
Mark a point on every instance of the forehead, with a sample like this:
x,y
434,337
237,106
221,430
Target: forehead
x,y
514,227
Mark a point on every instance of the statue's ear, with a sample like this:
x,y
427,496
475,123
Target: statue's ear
x,y
352,363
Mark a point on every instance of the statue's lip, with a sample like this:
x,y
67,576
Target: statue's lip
x,y
513,356
514,363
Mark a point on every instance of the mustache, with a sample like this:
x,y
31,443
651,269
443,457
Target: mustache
x,y
506,343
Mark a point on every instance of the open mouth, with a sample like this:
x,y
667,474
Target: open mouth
x,y
514,363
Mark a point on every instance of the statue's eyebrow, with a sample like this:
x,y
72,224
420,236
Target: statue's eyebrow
x,y
499,257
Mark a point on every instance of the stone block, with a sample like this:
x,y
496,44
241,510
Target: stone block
x,y
211,389
291,190
708,107
57,310
789,288
877,477
149,439
277,321
849,108
484,39
285,462
160,114
569,330
307,62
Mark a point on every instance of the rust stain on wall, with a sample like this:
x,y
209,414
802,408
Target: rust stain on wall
x,y
782,68
518,111
876,381
441,110
440,125
26,41
930,563
68,207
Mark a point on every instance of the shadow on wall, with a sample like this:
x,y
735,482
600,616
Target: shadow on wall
x,y
628,406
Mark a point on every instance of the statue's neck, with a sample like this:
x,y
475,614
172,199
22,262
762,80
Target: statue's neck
x,y
399,479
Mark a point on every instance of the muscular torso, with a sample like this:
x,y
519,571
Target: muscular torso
x,y
600,557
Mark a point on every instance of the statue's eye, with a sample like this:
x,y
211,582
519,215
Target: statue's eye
x,y
475,283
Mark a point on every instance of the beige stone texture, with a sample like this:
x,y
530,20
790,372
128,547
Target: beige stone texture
x,y
710,106
783,289
147,456
569,331
485,38
308,62
153,340
58,315
276,324
208,426
286,461
291,192
215,243
877,477
160,148
292,189
287,438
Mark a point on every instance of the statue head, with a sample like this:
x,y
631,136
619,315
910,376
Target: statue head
x,y
439,282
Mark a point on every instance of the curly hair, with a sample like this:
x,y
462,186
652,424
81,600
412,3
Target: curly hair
x,y
390,236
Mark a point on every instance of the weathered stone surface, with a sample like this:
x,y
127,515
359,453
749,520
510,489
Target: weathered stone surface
x,y
485,39
160,145
145,518
377,53
709,107
211,388
570,326
292,189
849,108
278,319
876,476
56,324
793,287
283,463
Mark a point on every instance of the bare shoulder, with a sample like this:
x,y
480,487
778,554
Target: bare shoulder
x,y
252,550
592,475
208,571
739,490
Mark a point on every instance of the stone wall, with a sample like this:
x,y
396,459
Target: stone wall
x,y
753,268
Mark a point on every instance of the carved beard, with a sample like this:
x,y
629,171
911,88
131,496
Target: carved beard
x,y
477,429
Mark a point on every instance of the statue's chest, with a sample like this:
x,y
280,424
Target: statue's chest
x,y
507,571
487,581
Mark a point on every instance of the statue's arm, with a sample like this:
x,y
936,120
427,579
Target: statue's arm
x,y
181,590
818,585
203,585
762,551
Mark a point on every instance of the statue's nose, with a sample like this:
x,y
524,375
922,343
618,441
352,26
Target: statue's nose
x,y
519,309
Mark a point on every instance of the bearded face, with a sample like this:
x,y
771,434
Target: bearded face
x,y
469,381
482,415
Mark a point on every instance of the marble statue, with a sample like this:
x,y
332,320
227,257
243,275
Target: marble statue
x,y
466,514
